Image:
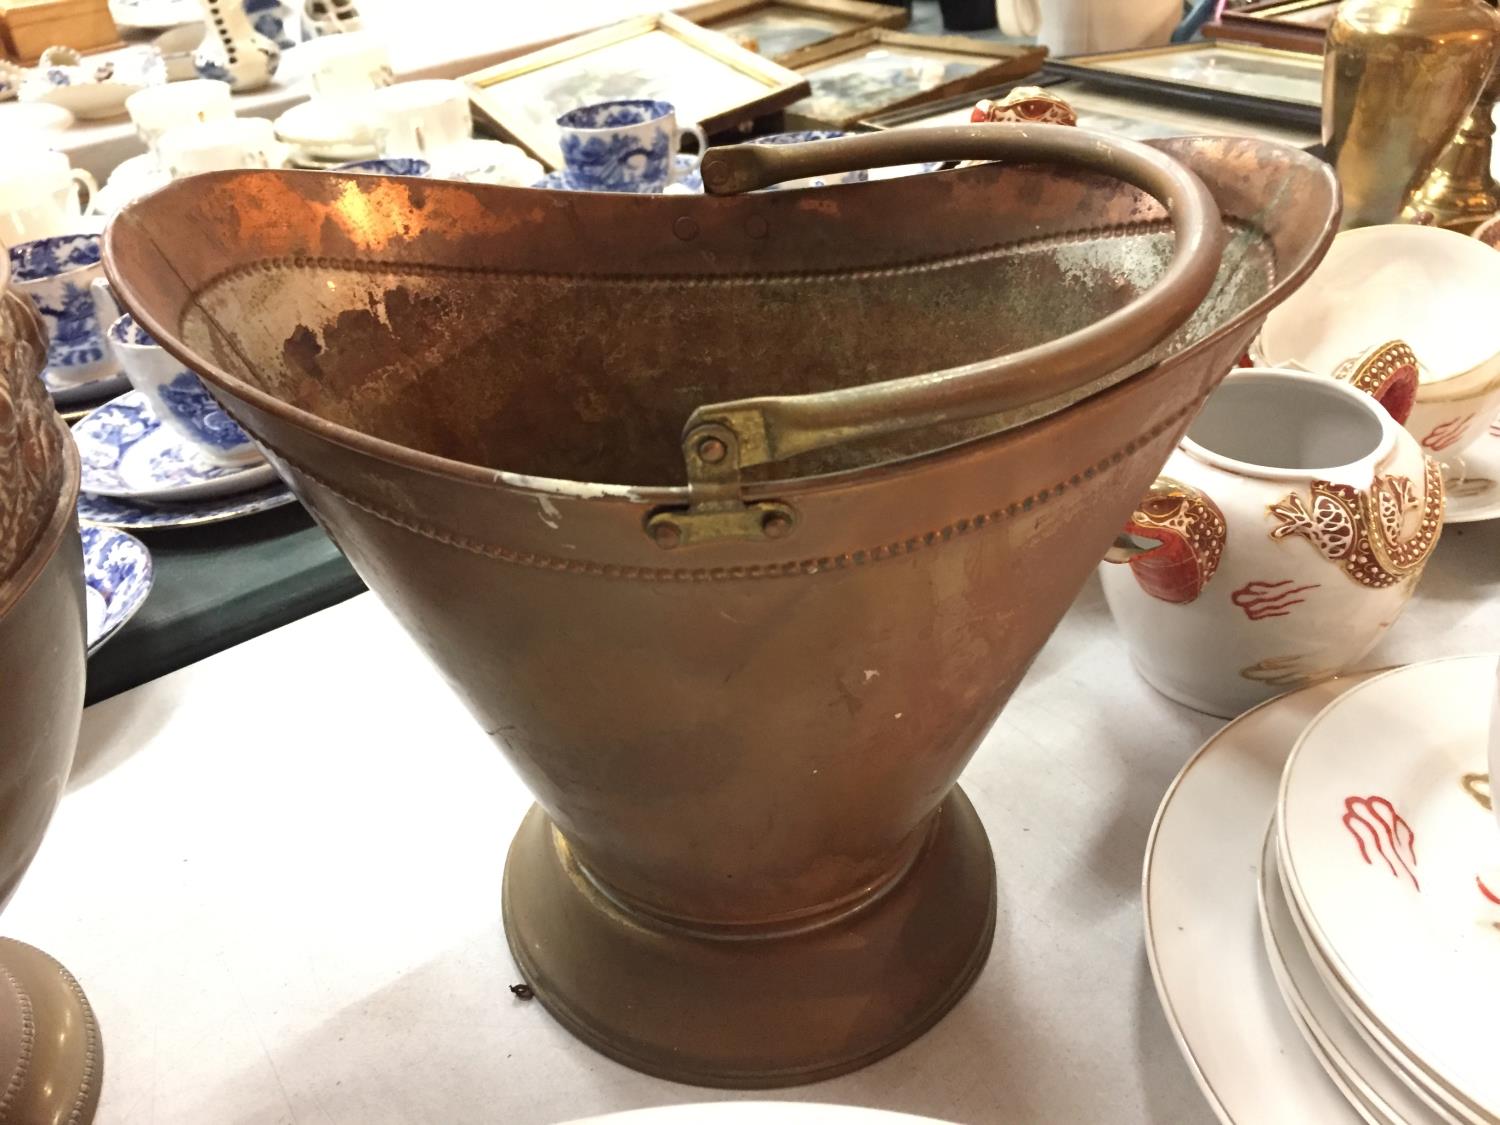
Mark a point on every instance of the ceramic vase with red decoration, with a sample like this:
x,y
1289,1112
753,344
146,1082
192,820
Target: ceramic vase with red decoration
x,y
1282,539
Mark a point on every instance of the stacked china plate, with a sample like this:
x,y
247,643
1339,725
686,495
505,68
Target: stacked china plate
x,y
1322,896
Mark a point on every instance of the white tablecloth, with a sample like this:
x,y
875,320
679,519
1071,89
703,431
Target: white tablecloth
x,y
277,875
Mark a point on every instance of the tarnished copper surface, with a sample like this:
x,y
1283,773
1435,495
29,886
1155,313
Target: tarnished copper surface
x,y
743,745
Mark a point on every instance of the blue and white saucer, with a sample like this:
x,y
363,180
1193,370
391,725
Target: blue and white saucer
x,y
128,454
190,513
688,180
116,579
81,393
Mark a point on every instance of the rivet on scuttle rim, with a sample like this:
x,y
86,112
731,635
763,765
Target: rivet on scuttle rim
x,y
776,525
711,450
685,228
757,227
666,534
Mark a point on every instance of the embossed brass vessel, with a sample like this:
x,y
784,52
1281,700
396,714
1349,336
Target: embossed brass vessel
x,y
51,1061
736,520
1399,78
1461,192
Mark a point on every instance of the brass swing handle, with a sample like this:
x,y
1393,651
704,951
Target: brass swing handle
x,y
721,439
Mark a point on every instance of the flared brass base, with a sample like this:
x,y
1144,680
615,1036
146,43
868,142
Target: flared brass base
x,y
51,1058
753,1012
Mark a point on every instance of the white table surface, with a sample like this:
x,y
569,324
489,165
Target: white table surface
x,y
277,875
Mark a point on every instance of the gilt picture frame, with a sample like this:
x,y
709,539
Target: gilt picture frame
x,y
877,71
710,80
778,28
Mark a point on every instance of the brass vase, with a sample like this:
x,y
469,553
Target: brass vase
x,y
51,1063
1399,78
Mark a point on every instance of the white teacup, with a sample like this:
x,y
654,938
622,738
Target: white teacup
x,y
41,195
241,142
177,396
356,63
157,109
1430,288
420,118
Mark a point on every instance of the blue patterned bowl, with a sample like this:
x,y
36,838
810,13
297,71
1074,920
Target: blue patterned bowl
x,y
388,166
800,137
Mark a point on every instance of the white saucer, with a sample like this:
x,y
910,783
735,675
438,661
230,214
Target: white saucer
x,y
1477,496
1203,931
1364,1073
128,454
80,394
1385,852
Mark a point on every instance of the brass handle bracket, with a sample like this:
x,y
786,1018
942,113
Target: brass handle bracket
x,y
714,453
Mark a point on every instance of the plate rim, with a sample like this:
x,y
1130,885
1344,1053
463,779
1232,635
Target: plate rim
x,y
1184,1048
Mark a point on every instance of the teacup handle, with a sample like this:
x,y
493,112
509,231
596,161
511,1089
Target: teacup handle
x,y
695,131
87,185
1390,374
105,304
1019,18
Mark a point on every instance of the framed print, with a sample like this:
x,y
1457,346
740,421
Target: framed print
x,y
871,72
1290,25
710,80
1231,78
776,28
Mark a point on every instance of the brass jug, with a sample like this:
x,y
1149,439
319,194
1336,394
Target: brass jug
x,y
1399,77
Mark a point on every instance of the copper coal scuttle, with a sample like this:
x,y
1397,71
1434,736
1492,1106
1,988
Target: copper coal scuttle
x,y
735,519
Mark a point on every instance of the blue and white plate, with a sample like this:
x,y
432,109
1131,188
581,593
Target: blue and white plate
x,y
191,513
82,393
128,454
116,579
688,180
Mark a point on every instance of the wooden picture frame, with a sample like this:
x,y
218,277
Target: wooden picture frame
x,y
713,82
1236,79
1287,25
821,20
868,72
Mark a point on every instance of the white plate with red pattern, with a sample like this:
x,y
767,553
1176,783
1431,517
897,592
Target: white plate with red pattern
x,y
1474,491
1203,931
1390,856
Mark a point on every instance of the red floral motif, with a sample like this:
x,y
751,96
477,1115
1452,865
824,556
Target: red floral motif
x,y
1260,600
1486,892
1375,824
1446,433
1495,428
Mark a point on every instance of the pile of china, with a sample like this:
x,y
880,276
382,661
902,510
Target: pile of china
x,y
1331,861
1322,884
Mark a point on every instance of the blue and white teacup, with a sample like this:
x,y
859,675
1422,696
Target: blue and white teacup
x,y
626,145
56,274
177,396
802,137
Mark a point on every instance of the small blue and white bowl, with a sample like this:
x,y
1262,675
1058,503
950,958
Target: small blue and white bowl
x,y
178,397
388,166
57,275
